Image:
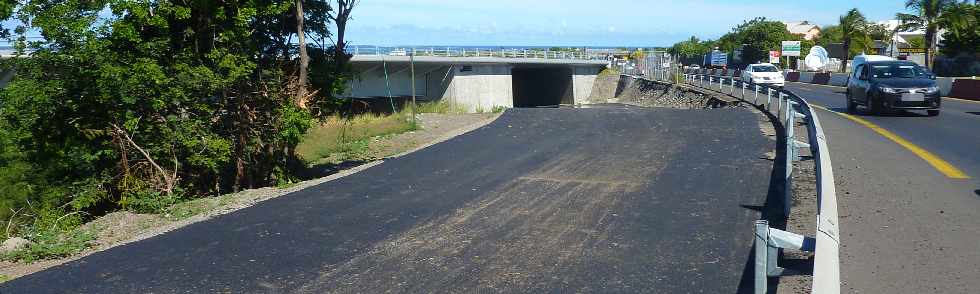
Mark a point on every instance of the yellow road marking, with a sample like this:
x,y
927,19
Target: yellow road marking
x,y
939,164
961,99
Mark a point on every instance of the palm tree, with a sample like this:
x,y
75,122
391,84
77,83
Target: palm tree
x,y
959,18
853,29
928,15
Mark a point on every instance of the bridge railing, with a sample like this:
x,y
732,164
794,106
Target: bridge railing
x,y
788,107
476,52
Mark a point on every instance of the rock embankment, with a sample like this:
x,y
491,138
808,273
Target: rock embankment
x,y
643,92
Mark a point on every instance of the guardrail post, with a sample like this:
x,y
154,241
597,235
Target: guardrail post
x,y
768,241
779,105
769,99
791,155
761,256
756,94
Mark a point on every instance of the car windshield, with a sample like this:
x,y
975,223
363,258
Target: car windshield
x,y
904,71
764,68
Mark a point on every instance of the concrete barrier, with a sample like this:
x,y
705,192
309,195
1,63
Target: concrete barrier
x,y
806,77
963,88
966,89
945,86
793,76
821,78
838,79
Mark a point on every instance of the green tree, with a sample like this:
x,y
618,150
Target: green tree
x,y
853,30
879,32
928,15
760,36
963,29
756,37
136,103
692,50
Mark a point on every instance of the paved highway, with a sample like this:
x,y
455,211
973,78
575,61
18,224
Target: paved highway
x,y
602,200
909,195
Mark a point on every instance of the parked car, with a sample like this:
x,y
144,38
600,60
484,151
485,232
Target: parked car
x,y
694,67
763,74
891,85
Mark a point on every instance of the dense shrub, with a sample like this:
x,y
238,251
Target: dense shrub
x,y
139,104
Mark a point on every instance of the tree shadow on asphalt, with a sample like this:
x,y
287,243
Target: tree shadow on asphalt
x,y
977,192
322,170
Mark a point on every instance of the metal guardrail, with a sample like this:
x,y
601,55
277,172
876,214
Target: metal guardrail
x,y
477,52
826,241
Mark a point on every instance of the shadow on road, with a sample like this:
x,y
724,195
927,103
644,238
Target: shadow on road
x,y
326,169
977,192
974,112
771,210
865,112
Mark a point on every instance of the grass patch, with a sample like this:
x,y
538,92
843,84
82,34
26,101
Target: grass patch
x,y
609,72
440,107
350,137
52,244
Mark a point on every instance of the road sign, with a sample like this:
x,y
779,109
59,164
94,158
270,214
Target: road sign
x,y
774,56
791,48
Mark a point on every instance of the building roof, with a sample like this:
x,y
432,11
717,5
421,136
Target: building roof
x,y
800,27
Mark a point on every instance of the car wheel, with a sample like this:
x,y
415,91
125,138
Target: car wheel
x,y
933,112
851,105
874,106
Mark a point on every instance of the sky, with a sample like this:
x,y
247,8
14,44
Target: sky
x,y
626,23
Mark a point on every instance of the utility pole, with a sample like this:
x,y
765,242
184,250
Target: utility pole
x,y
411,58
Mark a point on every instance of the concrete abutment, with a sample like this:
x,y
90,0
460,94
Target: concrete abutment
x,y
476,84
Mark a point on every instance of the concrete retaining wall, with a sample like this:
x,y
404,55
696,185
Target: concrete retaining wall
x,y
481,87
583,80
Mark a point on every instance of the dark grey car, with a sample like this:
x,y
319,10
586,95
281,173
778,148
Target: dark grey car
x,y
893,85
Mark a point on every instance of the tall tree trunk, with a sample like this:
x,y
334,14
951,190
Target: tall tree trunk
x,y
340,56
304,57
847,55
344,8
930,42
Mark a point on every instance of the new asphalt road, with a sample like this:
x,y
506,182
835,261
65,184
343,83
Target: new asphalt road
x,y
909,195
611,199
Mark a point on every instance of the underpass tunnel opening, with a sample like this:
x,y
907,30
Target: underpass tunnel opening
x,y
542,86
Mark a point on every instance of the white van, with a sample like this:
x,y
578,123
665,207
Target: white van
x,y
862,59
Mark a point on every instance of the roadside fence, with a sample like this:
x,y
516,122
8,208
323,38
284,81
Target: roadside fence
x,y
584,54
